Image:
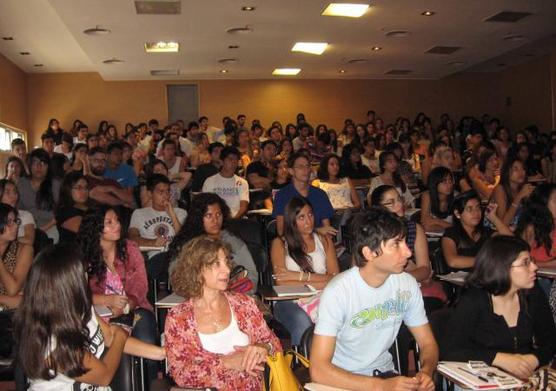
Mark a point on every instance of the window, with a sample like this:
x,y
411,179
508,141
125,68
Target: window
x,y
7,134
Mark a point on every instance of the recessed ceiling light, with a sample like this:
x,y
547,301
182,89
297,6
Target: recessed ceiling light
x,y
428,13
162,47
376,48
248,8
342,71
38,65
351,10
240,30
24,53
224,71
286,71
310,47
112,61
8,38
398,34
233,46
97,30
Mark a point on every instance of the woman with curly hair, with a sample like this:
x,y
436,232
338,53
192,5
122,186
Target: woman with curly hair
x,y
208,215
215,338
117,275
537,224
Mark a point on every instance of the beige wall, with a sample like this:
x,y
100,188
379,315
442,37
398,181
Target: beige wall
x,y
13,94
86,96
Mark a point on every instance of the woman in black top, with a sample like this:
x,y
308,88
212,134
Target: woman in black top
x,y
353,168
74,202
503,319
461,242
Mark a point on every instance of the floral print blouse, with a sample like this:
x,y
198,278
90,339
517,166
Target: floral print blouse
x,y
192,366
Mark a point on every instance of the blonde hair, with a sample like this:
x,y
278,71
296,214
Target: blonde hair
x,y
197,254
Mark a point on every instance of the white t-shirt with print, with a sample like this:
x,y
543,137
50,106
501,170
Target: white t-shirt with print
x,y
152,223
64,383
366,320
232,190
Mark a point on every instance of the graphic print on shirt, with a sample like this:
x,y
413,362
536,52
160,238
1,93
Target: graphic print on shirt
x,y
162,228
226,192
382,315
97,342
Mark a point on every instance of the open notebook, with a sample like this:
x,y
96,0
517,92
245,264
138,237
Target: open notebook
x,y
484,378
295,290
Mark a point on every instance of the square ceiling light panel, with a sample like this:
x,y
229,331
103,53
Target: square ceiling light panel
x,y
286,71
310,47
350,10
162,47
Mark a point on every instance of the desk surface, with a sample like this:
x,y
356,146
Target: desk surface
x,y
547,272
269,294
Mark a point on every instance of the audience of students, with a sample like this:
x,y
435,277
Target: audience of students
x,y
162,169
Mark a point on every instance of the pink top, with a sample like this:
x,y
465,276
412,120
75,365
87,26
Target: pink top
x,y
132,276
540,254
192,366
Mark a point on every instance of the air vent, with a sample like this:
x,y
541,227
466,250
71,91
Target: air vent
x,y
8,38
357,61
227,60
96,31
508,17
165,72
398,34
38,65
443,49
113,61
233,46
158,7
24,53
240,30
398,72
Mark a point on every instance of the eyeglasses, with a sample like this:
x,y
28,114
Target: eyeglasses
x,y
525,263
391,203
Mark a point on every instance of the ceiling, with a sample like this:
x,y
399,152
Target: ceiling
x,y
52,32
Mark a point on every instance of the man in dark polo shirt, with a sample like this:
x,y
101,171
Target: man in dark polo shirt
x,y
208,169
260,174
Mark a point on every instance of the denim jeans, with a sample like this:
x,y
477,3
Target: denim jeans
x,y
294,319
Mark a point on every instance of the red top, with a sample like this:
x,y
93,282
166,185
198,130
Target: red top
x,y
133,275
192,366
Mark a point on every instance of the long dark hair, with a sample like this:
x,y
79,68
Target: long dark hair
x,y
89,236
436,176
396,176
56,306
505,177
322,173
296,246
193,225
70,180
44,197
18,161
537,214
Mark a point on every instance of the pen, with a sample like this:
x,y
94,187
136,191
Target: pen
x,y
474,374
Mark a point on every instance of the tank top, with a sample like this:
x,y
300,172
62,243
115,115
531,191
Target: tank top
x,y
318,258
223,341
175,168
338,193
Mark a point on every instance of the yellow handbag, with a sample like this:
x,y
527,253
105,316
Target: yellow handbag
x,y
281,377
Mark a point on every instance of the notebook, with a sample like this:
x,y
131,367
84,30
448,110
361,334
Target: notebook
x,y
170,301
295,290
483,378
102,310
